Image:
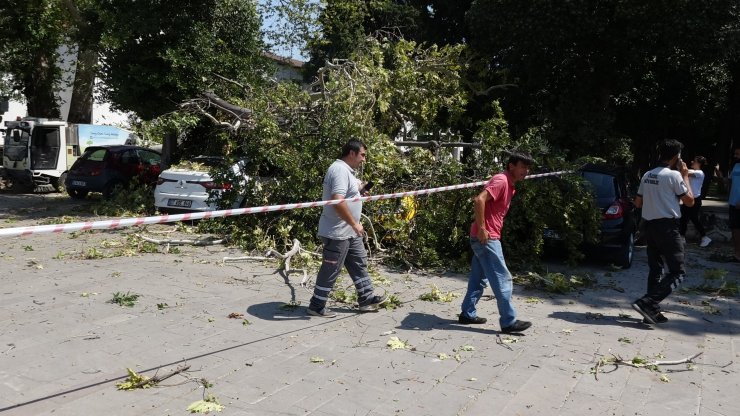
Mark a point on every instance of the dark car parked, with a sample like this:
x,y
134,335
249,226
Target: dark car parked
x,y
107,169
619,216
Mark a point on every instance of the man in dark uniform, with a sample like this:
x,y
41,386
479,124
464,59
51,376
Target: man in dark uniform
x,y
659,194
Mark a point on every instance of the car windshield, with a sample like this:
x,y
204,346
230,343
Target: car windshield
x,y
603,187
94,155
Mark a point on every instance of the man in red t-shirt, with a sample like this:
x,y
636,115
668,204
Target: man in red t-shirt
x,y
488,264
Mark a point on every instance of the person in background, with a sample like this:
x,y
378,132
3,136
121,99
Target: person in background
x,y
693,213
488,265
659,194
733,180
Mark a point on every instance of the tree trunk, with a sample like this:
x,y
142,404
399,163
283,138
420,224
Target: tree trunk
x,y
168,148
39,87
81,103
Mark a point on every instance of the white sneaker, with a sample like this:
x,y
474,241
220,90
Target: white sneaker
x,y
705,241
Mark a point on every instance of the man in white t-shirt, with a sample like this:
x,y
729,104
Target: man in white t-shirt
x,y
659,194
693,213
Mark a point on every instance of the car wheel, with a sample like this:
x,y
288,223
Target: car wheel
x,y
111,189
77,193
59,182
624,258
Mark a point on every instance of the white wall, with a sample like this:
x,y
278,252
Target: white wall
x,y
16,109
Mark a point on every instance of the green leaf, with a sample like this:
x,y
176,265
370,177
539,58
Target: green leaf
x,y
203,406
395,343
134,381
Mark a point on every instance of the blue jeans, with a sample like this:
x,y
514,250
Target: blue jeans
x,y
488,265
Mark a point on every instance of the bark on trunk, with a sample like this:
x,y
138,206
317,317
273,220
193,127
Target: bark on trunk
x,y
40,86
81,103
169,144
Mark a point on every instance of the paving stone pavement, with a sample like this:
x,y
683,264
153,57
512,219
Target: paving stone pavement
x,y
63,347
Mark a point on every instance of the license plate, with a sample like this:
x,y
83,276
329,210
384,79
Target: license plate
x,y
182,203
79,183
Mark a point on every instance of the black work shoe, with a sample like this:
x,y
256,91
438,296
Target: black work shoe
x,y
659,319
468,321
323,313
646,310
517,326
373,303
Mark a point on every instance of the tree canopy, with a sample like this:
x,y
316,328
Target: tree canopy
x,y
159,53
30,35
604,78
607,71
150,55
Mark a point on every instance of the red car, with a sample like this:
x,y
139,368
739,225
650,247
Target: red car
x,y
107,169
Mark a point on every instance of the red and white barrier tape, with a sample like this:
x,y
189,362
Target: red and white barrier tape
x,y
161,219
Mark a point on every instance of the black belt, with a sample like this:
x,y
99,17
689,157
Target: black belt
x,y
659,220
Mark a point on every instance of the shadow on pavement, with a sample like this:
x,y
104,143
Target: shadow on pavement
x,y
20,207
426,322
281,311
588,318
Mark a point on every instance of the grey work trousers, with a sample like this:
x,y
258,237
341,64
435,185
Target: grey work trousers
x,y
337,253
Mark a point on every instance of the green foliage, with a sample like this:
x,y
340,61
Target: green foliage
x,y
30,35
437,295
576,218
158,54
287,25
124,299
132,200
715,274
135,381
717,283
607,74
207,405
153,131
93,253
385,88
554,282
344,296
295,137
396,343
345,24
393,302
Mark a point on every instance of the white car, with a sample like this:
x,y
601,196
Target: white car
x,y
189,187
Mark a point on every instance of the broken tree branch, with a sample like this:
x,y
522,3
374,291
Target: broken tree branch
x,y
286,258
638,362
145,382
156,379
239,112
203,241
681,361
